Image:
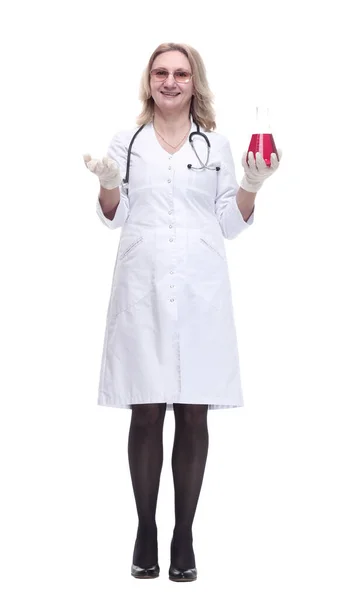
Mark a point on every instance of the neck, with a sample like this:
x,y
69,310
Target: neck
x,y
171,123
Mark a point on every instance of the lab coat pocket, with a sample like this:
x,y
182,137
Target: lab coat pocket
x,y
203,183
207,272
211,247
134,275
123,251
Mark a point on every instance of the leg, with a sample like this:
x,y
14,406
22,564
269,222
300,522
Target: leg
x,y
145,454
188,465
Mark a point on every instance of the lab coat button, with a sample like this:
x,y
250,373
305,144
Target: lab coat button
x,y
169,180
172,300
170,226
171,272
171,239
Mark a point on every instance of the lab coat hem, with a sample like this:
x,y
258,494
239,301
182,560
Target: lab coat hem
x,y
107,401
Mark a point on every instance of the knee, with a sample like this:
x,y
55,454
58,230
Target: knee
x,y
144,415
191,415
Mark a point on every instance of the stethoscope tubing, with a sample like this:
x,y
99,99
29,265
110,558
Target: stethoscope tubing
x,y
189,166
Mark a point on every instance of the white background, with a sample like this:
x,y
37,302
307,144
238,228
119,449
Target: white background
x,y
274,517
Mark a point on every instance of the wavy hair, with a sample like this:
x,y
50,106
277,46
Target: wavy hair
x,y
201,108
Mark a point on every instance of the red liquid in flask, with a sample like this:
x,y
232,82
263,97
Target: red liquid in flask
x,y
263,143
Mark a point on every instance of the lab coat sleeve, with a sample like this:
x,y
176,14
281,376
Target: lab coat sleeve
x,y
226,208
118,151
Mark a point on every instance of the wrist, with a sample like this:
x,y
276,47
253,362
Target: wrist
x,y
248,186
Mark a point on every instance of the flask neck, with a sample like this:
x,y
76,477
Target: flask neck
x,y
262,123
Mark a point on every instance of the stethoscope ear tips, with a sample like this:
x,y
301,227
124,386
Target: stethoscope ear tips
x,y
217,168
189,166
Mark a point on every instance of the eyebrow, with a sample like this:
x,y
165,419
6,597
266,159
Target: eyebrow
x,y
167,68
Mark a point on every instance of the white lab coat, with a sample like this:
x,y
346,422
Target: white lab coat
x,y
170,334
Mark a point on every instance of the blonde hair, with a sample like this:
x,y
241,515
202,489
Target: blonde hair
x,y
202,102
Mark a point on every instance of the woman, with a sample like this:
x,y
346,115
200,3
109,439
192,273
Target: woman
x,y
170,340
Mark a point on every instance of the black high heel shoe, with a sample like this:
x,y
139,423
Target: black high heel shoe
x,y
140,573
182,575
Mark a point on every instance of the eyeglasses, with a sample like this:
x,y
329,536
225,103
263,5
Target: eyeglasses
x,y
180,75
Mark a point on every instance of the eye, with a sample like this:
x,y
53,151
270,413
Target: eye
x,y
182,74
161,72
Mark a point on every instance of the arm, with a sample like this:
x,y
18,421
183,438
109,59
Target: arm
x,y
255,173
109,201
112,204
245,201
234,207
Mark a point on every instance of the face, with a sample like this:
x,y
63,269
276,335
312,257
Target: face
x,y
169,95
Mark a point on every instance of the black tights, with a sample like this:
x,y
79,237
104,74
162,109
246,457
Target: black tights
x,y
145,453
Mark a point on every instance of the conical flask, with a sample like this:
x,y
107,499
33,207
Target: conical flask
x,y
262,139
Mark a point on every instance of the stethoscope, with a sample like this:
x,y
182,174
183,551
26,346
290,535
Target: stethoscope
x,y
189,166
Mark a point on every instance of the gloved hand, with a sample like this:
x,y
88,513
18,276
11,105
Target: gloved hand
x,y
106,169
256,170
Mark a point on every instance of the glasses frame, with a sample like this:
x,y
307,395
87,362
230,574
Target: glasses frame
x,y
172,73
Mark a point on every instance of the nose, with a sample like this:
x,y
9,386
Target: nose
x,y
170,81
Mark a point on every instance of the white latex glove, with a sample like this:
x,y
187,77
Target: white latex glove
x,y
257,171
106,169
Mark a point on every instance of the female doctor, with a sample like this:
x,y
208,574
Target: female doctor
x,y
170,339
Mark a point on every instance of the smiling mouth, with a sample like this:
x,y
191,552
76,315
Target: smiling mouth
x,y
170,94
